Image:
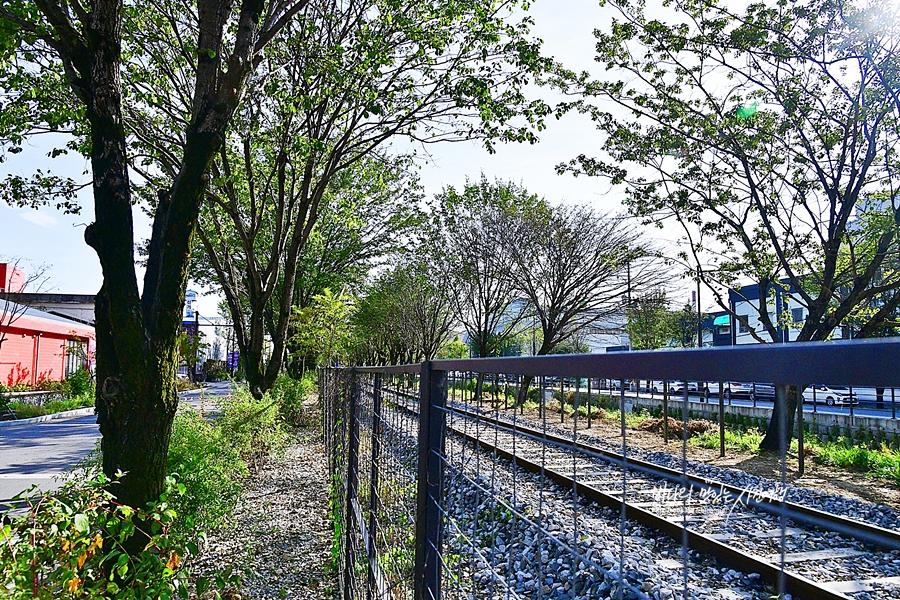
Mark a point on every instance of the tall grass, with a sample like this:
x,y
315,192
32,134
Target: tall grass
x,y
747,440
877,460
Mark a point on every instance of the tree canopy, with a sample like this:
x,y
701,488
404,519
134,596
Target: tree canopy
x,y
759,132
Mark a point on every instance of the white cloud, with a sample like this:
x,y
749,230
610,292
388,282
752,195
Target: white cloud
x,y
38,217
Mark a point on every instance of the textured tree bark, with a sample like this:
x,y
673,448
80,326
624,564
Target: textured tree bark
x,y
783,414
137,333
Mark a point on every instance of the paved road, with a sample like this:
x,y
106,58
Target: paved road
x,y
865,408
38,453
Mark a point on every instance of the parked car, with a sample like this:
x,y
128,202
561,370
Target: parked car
x,y
740,389
830,395
677,388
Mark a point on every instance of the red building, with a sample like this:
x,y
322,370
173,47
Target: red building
x,y
36,345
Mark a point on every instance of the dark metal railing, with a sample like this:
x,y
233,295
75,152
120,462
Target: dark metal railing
x,y
486,478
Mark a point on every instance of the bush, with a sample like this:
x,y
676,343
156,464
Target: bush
x,y
291,395
71,545
208,465
26,411
79,382
215,370
253,426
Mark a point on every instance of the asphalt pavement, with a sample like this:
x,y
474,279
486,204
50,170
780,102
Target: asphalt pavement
x,y
39,453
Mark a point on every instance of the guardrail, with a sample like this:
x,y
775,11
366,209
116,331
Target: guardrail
x,y
38,398
434,499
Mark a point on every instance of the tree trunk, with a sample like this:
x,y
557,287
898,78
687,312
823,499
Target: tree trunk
x,y
781,425
479,386
522,396
137,334
135,417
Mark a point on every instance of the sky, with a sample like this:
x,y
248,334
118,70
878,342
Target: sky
x,y
49,237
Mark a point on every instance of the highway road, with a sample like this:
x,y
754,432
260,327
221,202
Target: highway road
x,y
39,453
866,407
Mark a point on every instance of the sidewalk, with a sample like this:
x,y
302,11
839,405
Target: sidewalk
x,y
280,530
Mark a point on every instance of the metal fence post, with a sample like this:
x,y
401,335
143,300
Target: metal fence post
x,y
432,421
722,419
800,456
350,524
373,480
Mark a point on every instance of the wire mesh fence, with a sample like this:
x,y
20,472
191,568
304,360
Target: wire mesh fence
x,y
525,478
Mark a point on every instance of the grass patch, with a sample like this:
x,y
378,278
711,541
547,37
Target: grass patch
x,y
27,411
880,461
747,440
875,460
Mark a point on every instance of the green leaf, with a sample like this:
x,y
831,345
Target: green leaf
x,y
202,585
81,523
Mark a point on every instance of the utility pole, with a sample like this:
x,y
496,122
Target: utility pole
x,y
196,344
699,318
628,299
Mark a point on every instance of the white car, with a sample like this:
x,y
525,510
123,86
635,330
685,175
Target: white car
x,y
830,395
676,388
738,389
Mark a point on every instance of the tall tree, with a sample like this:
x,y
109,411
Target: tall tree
x,y
345,78
475,258
758,132
650,324
62,68
576,267
405,316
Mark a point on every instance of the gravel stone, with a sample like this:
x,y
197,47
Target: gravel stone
x,y
279,537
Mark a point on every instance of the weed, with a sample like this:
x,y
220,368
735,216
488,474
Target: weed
x,y
747,441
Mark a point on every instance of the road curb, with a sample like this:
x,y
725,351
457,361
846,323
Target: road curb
x,y
66,414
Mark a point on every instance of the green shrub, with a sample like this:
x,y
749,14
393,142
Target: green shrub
x,y
208,465
49,385
79,382
291,395
215,370
253,426
27,411
70,544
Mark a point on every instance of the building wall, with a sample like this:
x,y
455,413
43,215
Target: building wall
x,y
17,357
35,350
788,304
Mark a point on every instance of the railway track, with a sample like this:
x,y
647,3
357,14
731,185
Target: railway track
x,y
727,522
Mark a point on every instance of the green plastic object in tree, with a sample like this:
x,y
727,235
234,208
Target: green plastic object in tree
x,y
747,110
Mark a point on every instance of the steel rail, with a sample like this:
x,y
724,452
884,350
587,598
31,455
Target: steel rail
x,y
882,537
794,583
773,574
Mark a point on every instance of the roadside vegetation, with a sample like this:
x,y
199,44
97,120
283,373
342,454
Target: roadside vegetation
x,y
77,391
80,543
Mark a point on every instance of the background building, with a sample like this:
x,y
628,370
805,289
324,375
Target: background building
x,y
38,345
